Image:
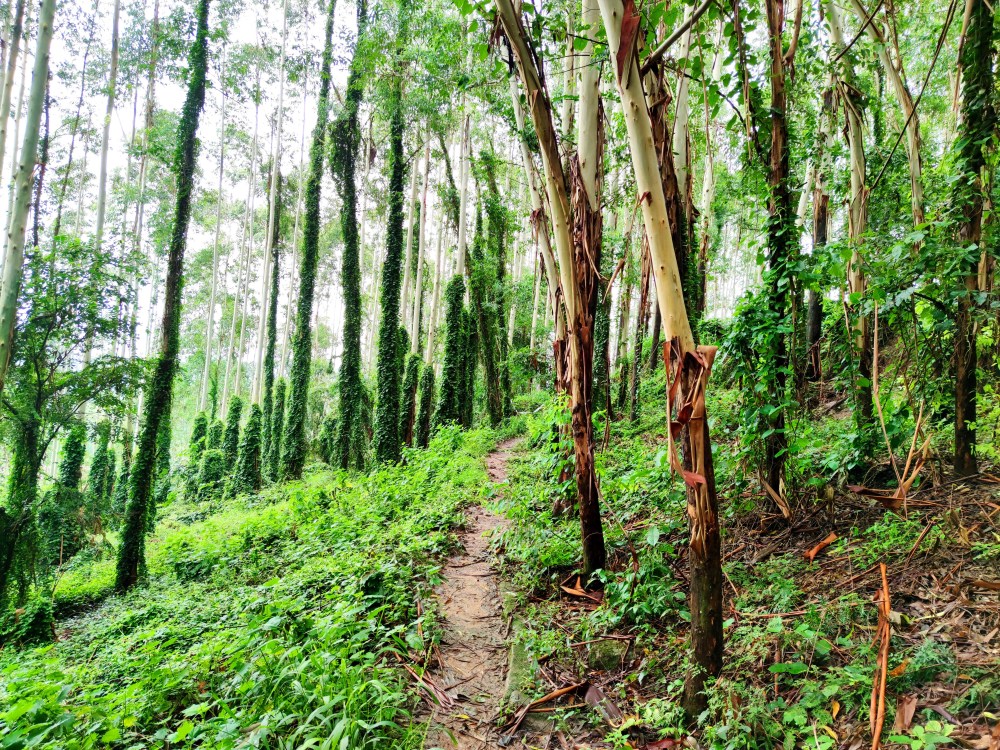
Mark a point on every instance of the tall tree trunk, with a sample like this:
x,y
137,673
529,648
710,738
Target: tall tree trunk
x,y
290,298
977,124
821,224
780,230
540,227
74,129
251,215
346,141
293,455
13,258
893,70
210,324
17,525
688,369
272,218
577,245
411,222
271,332
857,226
418,287
387,442
131,555
102,175
16,32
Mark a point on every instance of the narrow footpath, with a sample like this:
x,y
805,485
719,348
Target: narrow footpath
x,y
474,649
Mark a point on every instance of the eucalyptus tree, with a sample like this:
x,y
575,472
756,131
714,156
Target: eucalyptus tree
x,y
131,556
688,366
346,135
577,229
13,257
293,455
386,438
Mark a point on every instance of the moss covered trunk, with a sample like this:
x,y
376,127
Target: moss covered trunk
x,y
344,154
293,454
157,403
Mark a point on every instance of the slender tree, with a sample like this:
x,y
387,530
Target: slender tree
x,y
976,128
687,366
386,442
131,555
293,453
13,257
344,156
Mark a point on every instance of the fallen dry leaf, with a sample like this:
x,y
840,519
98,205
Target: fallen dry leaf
x,y
830,539
906,706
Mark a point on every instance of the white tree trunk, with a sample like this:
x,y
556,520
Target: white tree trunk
x,y
910,119
272,214
404,307
102,175
16,31
418,287
463,205
541,228
207,373
669,293
432,322
10,283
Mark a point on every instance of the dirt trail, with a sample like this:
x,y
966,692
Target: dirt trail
x,y
473,649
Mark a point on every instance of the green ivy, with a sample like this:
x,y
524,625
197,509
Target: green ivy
x,y
293,451
157,404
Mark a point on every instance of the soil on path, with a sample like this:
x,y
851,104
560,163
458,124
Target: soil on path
x,y
473,652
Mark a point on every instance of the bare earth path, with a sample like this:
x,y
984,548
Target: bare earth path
x,y
473,649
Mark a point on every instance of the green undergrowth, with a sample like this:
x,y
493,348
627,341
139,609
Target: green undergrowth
x,y
799,652
267,621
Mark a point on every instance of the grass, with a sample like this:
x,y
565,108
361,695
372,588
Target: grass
x,y
270,621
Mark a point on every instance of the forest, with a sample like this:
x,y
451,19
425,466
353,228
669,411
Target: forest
x,y
499,373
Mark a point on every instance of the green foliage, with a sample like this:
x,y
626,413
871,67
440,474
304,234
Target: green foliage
x,y
231,442
408,406
470,364
273,621
31,625
199,437
247,478
425,407
160,389
101,476
71,466
277,433
386,438
216,434
212,473
293,446
346,137
452,392
267,406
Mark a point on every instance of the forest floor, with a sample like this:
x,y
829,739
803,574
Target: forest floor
x,y
472,654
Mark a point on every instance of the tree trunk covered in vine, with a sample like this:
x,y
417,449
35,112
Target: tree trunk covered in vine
x,y
977,124
344,156
293,453
386,438
157,407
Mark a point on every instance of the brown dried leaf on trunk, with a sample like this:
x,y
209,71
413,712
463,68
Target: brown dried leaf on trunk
x,y
630,31
830,539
